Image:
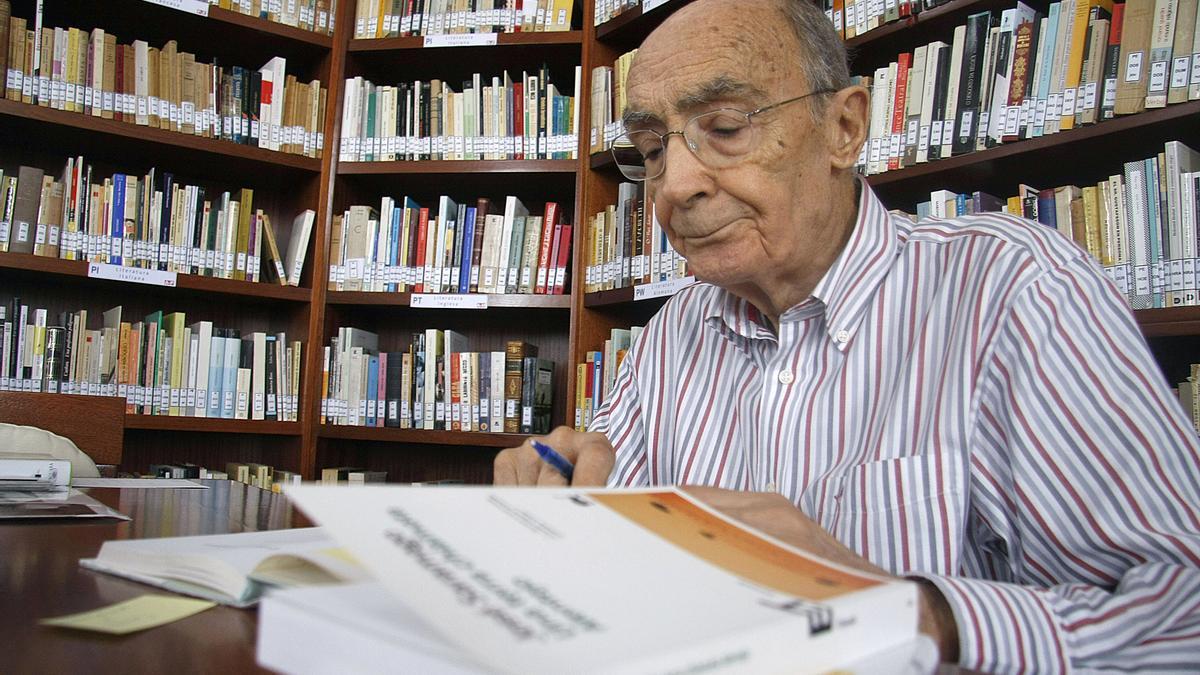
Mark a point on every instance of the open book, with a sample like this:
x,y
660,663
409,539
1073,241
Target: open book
x,y
232,569
582,581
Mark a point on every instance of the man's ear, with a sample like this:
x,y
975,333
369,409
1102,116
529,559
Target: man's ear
x,y
846,118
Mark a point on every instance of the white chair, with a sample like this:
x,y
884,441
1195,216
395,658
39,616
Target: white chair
x,y
17,440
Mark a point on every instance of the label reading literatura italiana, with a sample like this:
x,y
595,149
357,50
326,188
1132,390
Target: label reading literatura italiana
x,y
448,301
136,275
660,289
648,5
190,6
461,40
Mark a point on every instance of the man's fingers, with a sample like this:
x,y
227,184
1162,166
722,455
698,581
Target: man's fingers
x,y
594,464
504,468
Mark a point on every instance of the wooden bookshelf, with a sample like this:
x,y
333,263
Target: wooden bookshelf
x,y
572,37
283,185
422,437
26,263
273,28
210,425
41,121
351,298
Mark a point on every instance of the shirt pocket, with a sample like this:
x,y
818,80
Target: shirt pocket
x,y
903,514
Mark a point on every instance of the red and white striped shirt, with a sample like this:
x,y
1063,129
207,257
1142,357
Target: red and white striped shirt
x,y
965,400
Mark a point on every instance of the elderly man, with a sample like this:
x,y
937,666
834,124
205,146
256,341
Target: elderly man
x,y
967,403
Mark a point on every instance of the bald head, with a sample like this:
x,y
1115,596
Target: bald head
x,y
771,38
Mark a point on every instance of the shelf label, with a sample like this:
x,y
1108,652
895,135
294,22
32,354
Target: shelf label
x,y
448,301
190,6
648,5
461,40
136,275
661,289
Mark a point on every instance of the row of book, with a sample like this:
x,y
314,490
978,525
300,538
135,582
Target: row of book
x,y
314,15
436,383
852,18
460,248
1140,223
254,474
1189,395
608,102
159,365
607,10
500,118
1019,74
595,377
626,245
401,18
146,221
91,73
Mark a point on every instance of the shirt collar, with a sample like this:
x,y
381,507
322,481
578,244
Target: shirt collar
x,y
845,290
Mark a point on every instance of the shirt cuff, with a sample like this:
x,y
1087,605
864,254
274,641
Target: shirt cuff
x,y
1002,628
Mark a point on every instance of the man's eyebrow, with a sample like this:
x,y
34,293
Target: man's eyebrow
x,y
717,89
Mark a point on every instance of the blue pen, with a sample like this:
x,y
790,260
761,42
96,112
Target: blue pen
x,y
558,462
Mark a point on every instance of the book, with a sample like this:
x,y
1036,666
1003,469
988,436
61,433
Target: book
x,y
507,592
232,569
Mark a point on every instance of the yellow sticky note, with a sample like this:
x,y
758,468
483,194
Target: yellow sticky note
x,y
132,615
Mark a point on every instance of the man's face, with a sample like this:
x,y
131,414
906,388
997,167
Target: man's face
x,y
741,225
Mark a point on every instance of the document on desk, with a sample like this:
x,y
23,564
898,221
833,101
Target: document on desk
x,y
130,616
68,503
647,580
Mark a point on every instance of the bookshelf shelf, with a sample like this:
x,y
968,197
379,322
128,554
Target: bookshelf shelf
x,y
1080,154
1169,321
455,166
170,146
24,262
422,437
222,426
270,27
617,296
351,298
573,37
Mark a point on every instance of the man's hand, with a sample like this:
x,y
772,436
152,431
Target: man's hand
x,y
591,453
777,516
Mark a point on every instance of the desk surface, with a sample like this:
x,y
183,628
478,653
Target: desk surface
x,y
39,568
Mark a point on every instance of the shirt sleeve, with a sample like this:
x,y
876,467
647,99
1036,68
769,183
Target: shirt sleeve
x,y
1084,476
620,419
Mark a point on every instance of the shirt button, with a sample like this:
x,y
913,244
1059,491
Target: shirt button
x,y
786,377
842,336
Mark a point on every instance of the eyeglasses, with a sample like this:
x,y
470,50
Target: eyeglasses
x,y
719,138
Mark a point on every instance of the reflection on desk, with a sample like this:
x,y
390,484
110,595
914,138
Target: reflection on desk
x,y
41,577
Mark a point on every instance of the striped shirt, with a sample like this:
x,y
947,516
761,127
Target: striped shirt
x,y
969,401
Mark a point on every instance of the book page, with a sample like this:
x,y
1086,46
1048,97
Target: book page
x,y
541,580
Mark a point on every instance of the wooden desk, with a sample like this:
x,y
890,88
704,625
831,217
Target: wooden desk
x,y
40,577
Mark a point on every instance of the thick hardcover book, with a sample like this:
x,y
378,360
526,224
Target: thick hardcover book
x,y
503,596
23,228
1134,66
515,353
970,85
1112,62
1022,78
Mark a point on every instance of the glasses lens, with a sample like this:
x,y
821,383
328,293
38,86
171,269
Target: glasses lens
x,y
720,136
639,154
